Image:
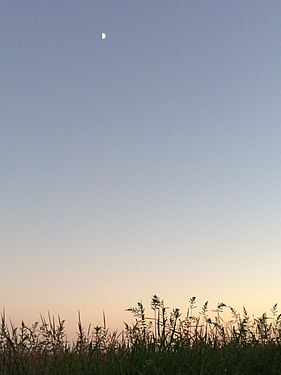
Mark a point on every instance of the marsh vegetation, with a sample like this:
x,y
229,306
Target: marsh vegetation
x,y
163,342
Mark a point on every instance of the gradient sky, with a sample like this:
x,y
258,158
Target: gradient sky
x,y
146,163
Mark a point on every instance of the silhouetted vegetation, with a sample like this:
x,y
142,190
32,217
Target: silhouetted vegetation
x,y
164,343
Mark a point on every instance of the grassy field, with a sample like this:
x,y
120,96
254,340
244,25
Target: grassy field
x,y
164,342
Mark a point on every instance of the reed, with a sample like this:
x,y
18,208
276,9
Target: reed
x,y
167,342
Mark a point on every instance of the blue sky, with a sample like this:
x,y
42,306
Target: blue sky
x,y
146,163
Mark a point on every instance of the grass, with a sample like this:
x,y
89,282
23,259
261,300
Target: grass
x,y
164,343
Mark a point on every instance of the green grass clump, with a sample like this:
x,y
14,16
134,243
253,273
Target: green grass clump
x,y
164,343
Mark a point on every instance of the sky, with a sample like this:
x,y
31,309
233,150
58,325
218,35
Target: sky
x,y
144,163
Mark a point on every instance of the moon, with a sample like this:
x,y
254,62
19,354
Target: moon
x,y
103,36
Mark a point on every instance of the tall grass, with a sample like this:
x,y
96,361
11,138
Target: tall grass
x,y
162,342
